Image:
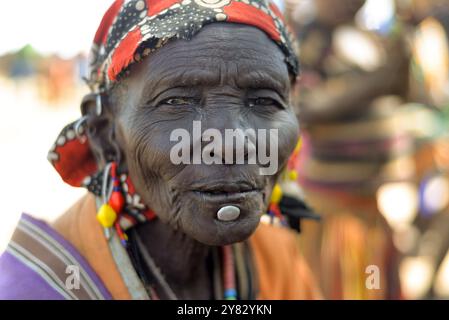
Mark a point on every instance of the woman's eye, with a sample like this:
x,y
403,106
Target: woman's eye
x,y
262,102
178,101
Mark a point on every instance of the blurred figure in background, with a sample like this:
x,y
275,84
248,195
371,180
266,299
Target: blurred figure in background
x,y
424,242
353,83
371,154
59,79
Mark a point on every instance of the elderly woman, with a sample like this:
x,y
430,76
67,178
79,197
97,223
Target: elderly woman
x,y
151,228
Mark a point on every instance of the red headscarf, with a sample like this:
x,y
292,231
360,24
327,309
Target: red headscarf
x,y
133,29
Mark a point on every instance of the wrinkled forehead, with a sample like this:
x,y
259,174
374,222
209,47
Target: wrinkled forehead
x,y
132,30
218,54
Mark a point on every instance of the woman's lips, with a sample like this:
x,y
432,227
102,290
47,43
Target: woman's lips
x,y
225,192
224,187
225,197
214,195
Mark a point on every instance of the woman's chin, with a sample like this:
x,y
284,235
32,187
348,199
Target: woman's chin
x,y
219,233
201,221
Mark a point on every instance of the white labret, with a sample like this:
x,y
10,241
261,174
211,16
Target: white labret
x,y
228,213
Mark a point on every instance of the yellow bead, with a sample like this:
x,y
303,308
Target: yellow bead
x,y
293,175
106,216
276,195
298,146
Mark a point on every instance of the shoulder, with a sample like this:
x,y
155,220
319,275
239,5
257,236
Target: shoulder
x,y
39,264
271,244
18,280
282,270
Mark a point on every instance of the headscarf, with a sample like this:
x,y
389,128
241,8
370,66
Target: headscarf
x,y
133,29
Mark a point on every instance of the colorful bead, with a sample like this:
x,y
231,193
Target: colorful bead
x,y
230,294
106,216
117,201
293,175
298,146
274,209
149,214
122,235
276,194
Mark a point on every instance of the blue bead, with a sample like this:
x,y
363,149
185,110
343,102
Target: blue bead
x,y
230,294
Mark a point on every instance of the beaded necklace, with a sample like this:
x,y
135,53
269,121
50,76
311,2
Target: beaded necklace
x,y
227,281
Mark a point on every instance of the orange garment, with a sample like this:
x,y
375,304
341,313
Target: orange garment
x,y
282,272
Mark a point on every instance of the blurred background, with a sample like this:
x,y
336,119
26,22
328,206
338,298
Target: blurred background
x,y
372,100
43,50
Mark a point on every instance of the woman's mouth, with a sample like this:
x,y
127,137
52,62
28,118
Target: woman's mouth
x,y
226,192
227,211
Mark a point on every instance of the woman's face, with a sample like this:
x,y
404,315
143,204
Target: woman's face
x,y
226,77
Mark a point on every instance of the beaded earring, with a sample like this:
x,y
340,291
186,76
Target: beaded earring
x,y
289,176
113,202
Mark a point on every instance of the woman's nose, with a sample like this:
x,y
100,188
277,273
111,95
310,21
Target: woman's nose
x,y
229,143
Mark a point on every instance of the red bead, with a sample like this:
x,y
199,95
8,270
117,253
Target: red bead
x,y
113,169
149,214
275,209
117,201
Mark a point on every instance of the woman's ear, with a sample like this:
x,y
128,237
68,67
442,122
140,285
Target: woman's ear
x,y
100,128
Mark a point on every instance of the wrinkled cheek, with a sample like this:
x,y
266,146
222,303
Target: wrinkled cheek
x,y
287,139
136,162
146,159
151,171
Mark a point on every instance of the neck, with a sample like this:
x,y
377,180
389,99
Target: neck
x,y
181,259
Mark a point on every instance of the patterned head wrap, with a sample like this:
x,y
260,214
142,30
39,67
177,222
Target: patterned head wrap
x,y
133,29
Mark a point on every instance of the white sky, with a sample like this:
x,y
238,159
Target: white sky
x,y
67,27
51,26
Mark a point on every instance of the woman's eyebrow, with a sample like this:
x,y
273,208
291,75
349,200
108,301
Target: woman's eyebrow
x,y
192,77
160,82
259,79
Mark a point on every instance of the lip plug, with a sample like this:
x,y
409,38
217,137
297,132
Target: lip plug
x,y
228,213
